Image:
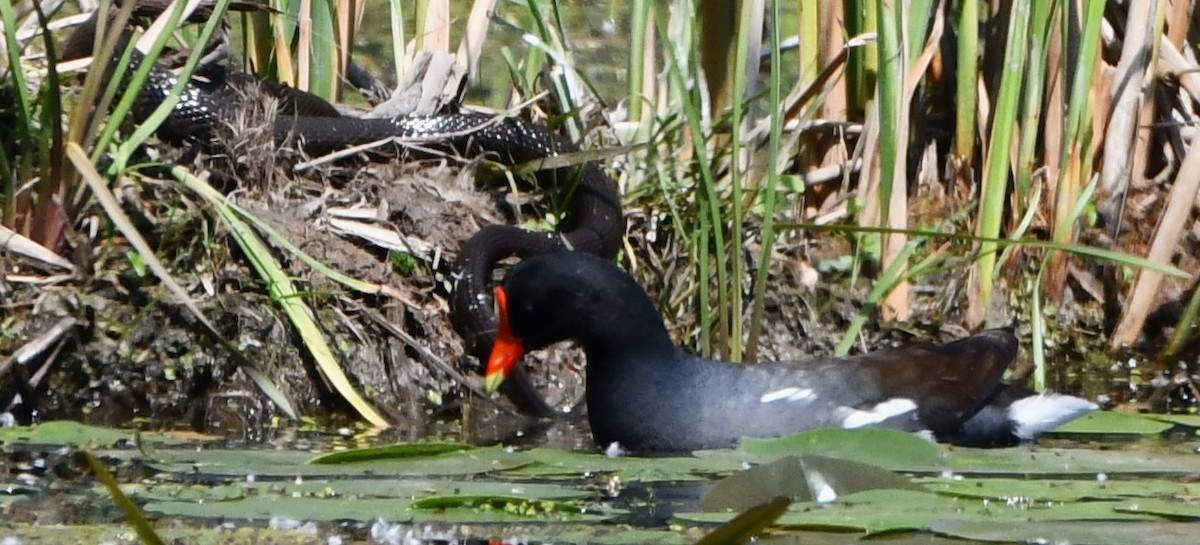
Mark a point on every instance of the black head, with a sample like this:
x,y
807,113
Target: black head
x,y
571,296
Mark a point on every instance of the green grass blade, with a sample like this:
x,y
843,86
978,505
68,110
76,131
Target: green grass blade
x,y
1036,76
112,209
20,86
996,167
966,76
1184,328
133,515
1031,211
1121,258
1073,168
1037,326
762,274
168,20
639,21
863,64
284,293
811,41
398,40
744,527
749,33
278,239
892,276
324,75
708,202
893,130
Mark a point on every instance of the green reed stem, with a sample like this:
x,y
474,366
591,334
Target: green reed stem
x,y
774,105
996,166
967,76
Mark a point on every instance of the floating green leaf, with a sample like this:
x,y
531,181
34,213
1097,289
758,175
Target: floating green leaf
x,y
1058,490
370,454
1115,423
1031,461
560,463
1189,420
881,511
185,492
1090,532
61,432
801,478
340,509
509,503
279,463
891,449
1166,508
613,534
396,488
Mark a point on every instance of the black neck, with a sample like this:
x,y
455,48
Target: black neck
x,y
622,328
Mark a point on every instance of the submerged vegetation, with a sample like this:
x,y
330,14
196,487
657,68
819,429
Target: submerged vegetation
x,y
765,197
841,484
799,177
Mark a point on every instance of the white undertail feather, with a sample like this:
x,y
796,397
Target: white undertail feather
x,y
1041,413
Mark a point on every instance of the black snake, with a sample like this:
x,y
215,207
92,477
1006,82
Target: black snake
x,y
593,220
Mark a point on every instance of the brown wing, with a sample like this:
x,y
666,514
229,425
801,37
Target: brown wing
x,y
948,382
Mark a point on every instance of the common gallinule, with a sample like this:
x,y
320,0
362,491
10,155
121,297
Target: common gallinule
x,y
649,396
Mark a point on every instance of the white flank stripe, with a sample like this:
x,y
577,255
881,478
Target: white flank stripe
x,y
776,395
895,406
802,395
789,394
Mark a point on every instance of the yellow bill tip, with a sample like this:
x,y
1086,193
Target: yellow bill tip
x,y
492,382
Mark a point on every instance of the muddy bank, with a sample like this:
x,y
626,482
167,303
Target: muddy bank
x,y
135,357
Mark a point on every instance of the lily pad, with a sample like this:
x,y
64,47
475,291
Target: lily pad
x,y
1028,461
1189,420
70,433
612,534
515,504
883,511
370,454
549,463
368,509
807,477
886,448
289,464
1164,508
1115,423
1058,490
371,488
184,492
1074,532
174,533
905,452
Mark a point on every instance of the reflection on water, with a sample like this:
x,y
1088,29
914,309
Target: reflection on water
x,y
565,432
